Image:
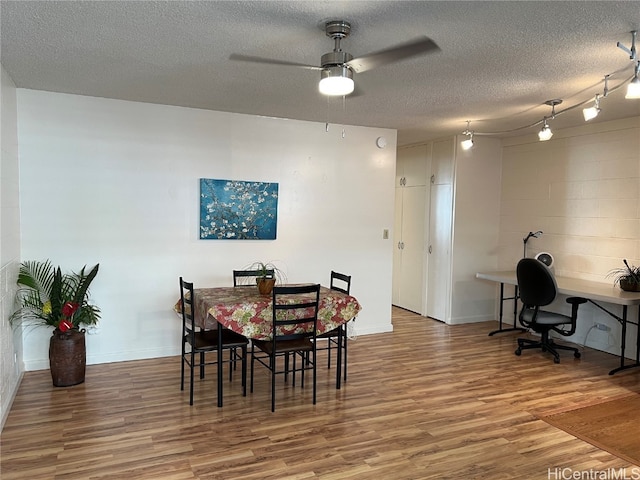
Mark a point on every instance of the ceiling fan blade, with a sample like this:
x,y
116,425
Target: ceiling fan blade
x,y
415,47
269,61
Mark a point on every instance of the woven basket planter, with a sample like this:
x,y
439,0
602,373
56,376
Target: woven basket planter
x,y
67,357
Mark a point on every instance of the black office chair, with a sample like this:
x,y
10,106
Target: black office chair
x,y
247,278
295,308
537,287
338,336
197,342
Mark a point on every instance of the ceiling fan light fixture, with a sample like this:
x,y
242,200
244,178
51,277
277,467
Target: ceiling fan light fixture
x,y
336,81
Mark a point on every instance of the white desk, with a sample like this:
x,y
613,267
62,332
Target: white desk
x,y
594,292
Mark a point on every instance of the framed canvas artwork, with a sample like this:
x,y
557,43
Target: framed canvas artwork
x,y
238,210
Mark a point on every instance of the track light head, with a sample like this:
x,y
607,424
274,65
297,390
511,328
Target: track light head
x,y
467,143
633,89
592,112
545,133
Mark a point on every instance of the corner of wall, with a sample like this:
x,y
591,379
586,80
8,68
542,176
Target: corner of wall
x,y
11,364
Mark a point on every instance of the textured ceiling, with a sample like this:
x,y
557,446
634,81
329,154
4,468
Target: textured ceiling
x,y
498,63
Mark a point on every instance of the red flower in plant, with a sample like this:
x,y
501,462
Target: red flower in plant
x,y
65,325
69,308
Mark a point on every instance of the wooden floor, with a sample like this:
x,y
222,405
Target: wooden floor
x,y
426,401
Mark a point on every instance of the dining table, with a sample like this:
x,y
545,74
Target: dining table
x,y
244,310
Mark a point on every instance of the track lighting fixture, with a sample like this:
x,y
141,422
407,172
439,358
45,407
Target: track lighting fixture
x,y
592,112
633,89
467,143
630,51
605,90
545,133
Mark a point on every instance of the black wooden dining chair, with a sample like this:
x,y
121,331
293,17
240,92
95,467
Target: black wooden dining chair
x,y
295,310
338,336
196,342
247,278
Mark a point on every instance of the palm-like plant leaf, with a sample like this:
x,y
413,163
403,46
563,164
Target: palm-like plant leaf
x,y
34,285
56,298
87,314
39,283
36,276
83,283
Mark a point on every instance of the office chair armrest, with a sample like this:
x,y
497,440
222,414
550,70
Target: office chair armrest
x,y
575,303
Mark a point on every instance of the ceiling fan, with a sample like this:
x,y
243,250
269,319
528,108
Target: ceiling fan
x,y
337,67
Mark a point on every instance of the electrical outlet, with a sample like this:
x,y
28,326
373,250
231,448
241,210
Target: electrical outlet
x,y
602,326
385,234
93,330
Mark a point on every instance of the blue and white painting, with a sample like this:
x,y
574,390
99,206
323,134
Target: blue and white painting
x,y
238,210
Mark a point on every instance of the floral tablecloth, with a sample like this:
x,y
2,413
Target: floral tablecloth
x,y
244,310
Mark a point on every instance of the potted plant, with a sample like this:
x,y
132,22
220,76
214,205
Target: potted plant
x,y
627,278
47,297
267,275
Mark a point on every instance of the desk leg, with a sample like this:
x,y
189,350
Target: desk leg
x,y
623,341
638,338
219,364
515,311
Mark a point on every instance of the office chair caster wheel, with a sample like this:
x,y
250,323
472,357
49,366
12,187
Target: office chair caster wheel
x,y
576,354
518,352
556,360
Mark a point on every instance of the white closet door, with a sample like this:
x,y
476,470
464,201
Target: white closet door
x,y
397,251
411,205
410,279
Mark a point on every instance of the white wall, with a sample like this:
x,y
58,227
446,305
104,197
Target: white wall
x,y
10,341
582,189
475,227
117,183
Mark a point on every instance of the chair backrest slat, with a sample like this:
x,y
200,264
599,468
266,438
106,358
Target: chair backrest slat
x,y
340,282
295,306
247,278
187,306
